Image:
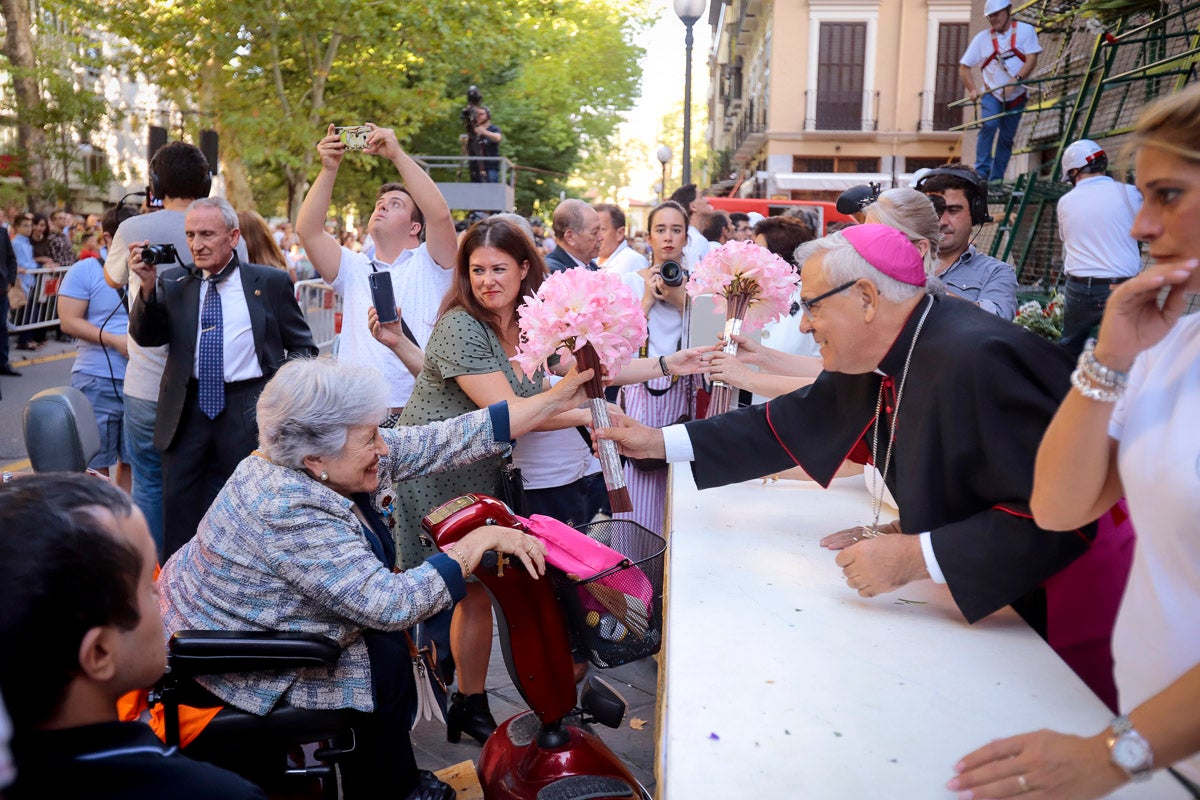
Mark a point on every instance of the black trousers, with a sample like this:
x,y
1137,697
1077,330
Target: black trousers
x,y
382,763
202,456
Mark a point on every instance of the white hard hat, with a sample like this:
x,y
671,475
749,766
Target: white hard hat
x,y
1080,154
992,6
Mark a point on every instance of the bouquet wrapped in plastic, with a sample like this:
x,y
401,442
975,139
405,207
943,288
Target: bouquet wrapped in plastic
x,y
756,286
591,317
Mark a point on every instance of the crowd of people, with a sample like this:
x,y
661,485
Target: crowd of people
x,y
284,491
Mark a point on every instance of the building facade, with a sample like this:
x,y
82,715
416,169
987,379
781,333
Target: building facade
x,y
810,97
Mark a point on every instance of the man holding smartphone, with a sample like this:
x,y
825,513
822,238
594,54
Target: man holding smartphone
x,y
415,247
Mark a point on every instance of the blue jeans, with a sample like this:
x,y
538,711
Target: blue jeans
x,y
146,463
1001,131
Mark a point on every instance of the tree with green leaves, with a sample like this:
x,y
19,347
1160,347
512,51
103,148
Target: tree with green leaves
x,y
54,107
270,76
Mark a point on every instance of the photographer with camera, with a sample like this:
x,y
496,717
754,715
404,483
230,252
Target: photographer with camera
x,y
667,398
482,139
179,174
229,326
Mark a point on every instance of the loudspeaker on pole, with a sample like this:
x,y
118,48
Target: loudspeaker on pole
x,y
156,138
208,146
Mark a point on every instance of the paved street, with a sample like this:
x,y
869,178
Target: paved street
x,y
48,367
636,682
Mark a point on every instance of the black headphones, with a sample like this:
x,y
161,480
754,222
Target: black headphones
x,y
977,199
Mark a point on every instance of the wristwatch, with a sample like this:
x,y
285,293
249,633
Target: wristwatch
x,y
1129,750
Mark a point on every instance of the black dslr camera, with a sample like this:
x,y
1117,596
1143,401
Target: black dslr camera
x,y
672,273
159,254
470,114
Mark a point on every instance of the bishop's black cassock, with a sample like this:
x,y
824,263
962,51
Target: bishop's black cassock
x,y
979,394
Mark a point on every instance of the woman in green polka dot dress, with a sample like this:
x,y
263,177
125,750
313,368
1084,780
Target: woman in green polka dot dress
x,y
467,367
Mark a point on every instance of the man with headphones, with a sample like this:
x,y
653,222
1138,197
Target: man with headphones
x,y
179,174
1094,220
967,273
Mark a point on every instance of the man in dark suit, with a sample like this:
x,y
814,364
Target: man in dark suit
x,y
8,276
577,231
230,326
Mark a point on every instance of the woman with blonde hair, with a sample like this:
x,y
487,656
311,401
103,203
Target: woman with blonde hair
x,y
1129,429
260,244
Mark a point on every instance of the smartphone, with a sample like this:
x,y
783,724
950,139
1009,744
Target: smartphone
x,y
383,296
353,136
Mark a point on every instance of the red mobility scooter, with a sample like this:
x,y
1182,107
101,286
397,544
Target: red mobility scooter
x,y
614,615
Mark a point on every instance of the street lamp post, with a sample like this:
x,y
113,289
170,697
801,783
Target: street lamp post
x,y
688,11
664,158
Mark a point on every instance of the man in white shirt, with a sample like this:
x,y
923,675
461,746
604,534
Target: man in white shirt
x,y
420,271
1005,54
1094,220
615,253
699,211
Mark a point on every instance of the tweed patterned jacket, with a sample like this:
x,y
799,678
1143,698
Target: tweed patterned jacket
x,y
280,551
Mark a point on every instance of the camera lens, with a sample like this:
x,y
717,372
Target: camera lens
x,y
158,254
672,274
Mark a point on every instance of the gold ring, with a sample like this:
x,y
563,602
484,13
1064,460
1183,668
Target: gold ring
x,y
1024,784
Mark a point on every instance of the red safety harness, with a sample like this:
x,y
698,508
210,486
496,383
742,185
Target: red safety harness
x,y
1012,43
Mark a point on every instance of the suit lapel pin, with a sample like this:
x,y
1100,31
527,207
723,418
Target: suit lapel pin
x,y
257,292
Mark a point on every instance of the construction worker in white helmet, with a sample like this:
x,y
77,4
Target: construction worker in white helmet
x,y
1005,54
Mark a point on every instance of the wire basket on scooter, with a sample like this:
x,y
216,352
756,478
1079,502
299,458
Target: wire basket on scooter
x,y
616,615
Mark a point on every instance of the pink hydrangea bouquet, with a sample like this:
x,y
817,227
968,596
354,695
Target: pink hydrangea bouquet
x,y
592,317
756,286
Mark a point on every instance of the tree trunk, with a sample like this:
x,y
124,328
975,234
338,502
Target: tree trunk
x,y
31,140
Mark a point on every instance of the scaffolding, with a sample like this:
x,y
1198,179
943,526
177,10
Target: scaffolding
x,y
1094,76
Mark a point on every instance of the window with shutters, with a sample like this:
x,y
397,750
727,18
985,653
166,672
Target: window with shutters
x,y
953,38
840,60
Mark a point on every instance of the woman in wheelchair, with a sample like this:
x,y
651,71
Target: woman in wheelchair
x,y
295,542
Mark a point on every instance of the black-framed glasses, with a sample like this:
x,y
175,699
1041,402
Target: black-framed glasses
x,y
810,306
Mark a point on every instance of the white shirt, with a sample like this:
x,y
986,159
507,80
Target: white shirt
x,y
664,322
1156,638
1002,70
548,459
696,248
1094,220
624,259
419,285
241,360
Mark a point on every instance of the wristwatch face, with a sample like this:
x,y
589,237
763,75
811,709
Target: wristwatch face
x,y
1131,752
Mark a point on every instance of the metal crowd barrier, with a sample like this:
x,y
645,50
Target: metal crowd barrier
x,y
322,309
41,303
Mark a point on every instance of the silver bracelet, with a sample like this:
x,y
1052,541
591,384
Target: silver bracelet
x,y
1097,372
1093,391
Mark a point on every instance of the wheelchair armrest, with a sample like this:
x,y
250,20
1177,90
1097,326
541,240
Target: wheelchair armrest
x,y
210,652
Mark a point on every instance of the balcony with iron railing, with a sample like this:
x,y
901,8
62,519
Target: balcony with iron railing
x,y
837,110
748,129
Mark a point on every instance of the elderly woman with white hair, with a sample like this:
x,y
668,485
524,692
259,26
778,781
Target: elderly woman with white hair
x,y
295,542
